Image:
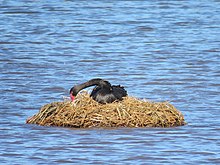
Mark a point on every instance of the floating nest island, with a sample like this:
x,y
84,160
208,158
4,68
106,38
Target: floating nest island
x,y
84,112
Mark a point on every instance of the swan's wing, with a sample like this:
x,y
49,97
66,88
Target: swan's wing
x,y
103,95
119,91
95,91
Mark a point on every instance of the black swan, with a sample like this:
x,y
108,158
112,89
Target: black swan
x,y
103,93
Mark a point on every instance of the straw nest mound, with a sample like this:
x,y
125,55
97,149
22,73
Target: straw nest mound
x,y
84,112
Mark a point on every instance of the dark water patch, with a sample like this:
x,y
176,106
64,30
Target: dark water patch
x,y
21,12
6,43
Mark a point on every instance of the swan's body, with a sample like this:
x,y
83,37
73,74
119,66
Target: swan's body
x,y
103,92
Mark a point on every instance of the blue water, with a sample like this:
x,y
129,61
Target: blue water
x,y
159,50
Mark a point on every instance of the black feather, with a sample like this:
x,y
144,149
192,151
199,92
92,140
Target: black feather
x,y
103,92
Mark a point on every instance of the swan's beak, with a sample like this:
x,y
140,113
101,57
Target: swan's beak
x,y
72,97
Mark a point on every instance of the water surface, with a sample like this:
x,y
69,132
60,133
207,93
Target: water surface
x,y
161,51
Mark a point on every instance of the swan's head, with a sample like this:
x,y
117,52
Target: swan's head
x,y
73,93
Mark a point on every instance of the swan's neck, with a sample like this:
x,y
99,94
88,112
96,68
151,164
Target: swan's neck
x,y
99,82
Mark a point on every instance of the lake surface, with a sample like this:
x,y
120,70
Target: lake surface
x,y
159,50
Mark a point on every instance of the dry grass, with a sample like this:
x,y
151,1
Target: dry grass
x,y
86,113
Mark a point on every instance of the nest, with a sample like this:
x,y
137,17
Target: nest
x,y
84,112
